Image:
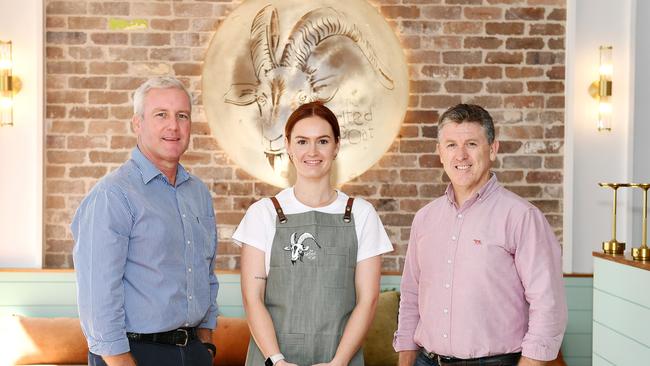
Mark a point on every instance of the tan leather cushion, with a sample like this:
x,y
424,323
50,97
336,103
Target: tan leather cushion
x,y
378,347
231,339
27,341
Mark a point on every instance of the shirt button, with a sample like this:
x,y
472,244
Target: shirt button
x,y
448,261
189,269
183,215
453,237
460,216
190,297
445,311
187,324
188,242
445,335
446,285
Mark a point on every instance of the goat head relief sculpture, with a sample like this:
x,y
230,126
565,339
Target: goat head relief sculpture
x,y
285,83
269,57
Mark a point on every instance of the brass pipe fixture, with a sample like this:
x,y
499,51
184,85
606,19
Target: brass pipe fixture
x,y
642,253
613,246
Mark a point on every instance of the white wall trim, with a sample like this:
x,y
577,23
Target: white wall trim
x,y
569,110
21,146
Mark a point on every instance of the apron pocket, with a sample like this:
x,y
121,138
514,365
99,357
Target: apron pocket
x,y
292,346
336,271
291,338
336,256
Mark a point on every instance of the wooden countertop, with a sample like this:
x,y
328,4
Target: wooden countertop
x,y
625,259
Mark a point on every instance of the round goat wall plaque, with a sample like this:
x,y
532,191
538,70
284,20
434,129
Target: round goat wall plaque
x,y
269,57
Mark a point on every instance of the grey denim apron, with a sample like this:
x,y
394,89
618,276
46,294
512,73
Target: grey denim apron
x,y
310,290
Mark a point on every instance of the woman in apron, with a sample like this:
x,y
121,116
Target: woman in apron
x,y
311,257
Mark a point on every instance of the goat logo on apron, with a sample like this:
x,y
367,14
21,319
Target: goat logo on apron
x,y
270,56
299,249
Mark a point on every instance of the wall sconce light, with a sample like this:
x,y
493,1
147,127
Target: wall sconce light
x,y
9,85
602,89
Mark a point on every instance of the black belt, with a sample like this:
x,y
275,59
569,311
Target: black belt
x,y
176,337
446,360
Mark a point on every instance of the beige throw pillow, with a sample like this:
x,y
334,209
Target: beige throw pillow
x,y
378,346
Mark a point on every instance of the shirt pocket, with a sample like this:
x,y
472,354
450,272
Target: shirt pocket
x,y
207,233
494,246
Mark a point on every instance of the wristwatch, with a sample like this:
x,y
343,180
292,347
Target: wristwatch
x,y
273,359
211,347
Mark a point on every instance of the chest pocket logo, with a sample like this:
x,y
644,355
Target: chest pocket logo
x,y
298,248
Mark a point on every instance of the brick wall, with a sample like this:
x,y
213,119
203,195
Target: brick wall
x,y
507,55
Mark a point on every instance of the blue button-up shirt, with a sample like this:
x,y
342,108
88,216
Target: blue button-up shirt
x,y
144,255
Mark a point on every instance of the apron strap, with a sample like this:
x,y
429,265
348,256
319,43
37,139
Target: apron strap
x,y
278,209
347,216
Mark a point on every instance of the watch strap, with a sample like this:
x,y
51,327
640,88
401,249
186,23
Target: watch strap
x,y
273,359
211,347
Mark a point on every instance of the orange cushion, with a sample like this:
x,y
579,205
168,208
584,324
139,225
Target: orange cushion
x,y
28,341
231,339
60,341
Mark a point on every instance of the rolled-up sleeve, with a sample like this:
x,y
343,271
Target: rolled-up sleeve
x,y
539,264
101,229
409,315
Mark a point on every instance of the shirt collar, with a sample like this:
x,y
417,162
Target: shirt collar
x,y
149,171
489,187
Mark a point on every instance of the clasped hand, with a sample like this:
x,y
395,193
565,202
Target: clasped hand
x,y
286,363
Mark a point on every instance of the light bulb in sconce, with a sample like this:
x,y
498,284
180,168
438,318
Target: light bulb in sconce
x,y
604,115
602,89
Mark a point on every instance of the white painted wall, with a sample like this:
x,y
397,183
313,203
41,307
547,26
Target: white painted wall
x,y
21,146
641,116
592,156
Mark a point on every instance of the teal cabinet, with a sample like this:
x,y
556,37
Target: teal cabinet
x,y
621,311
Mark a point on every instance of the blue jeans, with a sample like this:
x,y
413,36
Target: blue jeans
x,y
423,360
156,354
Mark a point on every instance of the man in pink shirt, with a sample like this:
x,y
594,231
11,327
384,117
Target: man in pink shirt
x,y
482,281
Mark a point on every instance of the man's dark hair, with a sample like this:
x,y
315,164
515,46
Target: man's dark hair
x,y
469,113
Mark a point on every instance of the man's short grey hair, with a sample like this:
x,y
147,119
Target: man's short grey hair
x,y
160,82
469,113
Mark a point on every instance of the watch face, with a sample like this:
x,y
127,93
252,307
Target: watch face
x,y
268,362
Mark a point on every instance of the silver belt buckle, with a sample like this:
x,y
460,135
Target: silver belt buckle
x,y
187,336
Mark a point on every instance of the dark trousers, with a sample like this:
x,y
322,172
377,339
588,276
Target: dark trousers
x,y
156,354
423,360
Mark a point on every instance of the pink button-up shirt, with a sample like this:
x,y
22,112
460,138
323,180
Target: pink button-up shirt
x,y
483,279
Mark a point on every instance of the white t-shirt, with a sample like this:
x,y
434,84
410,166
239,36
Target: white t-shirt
x,y
257,228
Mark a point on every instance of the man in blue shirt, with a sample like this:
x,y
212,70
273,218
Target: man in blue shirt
x,y
145,241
